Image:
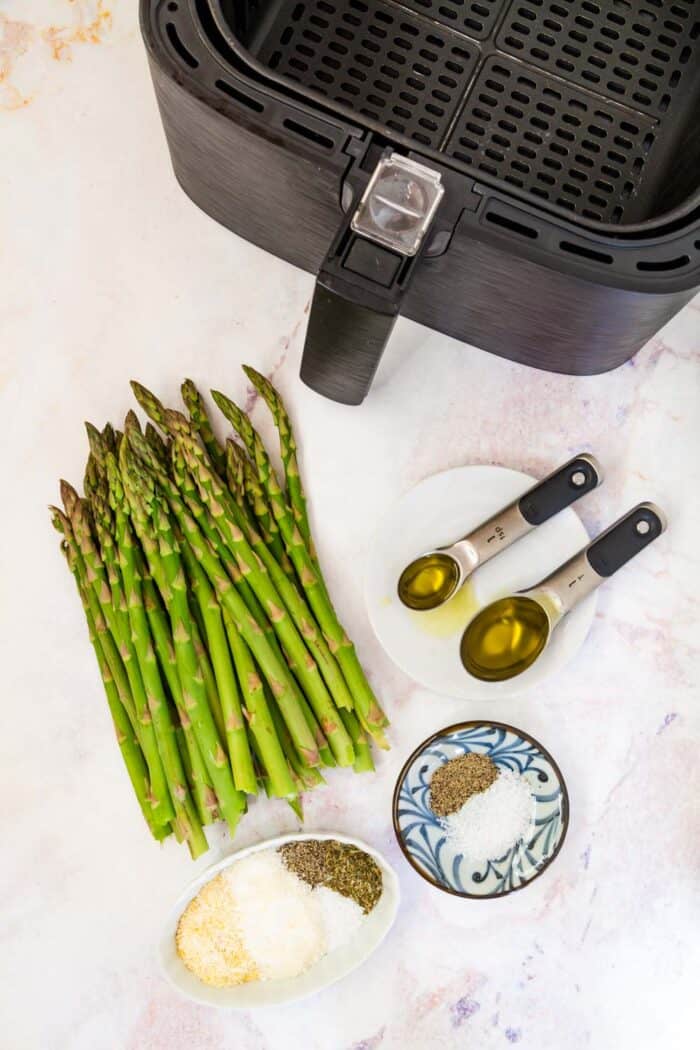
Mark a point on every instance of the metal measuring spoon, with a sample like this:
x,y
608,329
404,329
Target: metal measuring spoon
x,y
436,576
506,637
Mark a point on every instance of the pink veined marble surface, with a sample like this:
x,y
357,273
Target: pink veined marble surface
x,y
108,272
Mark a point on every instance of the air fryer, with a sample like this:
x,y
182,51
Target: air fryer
x,y
523,175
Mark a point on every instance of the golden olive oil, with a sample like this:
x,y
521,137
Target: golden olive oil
x,y
448,619
428,581
505,638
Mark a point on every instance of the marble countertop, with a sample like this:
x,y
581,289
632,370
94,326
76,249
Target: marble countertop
x,y
108,272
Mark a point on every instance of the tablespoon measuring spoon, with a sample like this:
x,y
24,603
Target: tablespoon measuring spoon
x,y
436,576
507,636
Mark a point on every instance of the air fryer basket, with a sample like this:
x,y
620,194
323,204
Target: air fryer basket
x,y
592,106
561,137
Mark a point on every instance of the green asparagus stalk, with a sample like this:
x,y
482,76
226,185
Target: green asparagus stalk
x,y
162,552
116,617
264,477
200,781
205,799
308,777
211,492
275,671
258,714
234,726
202,424
234,471
363,753
188,492
368,710
288,449
205,665
232,522
291,599
108,438
153,408
158,444
114,661
122,561
187,824
248,490
126,738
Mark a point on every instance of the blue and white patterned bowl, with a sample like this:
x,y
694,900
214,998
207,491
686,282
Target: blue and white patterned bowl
x,y
422,837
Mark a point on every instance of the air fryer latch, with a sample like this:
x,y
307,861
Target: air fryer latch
x,y
369,266
399,204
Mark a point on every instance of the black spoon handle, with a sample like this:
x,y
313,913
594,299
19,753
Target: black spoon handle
x,y
562,488
627,537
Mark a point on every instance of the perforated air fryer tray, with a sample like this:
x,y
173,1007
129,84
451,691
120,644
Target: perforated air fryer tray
x,y
591,106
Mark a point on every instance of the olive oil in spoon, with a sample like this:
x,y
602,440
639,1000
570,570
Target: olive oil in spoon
x,y
506,637
435,577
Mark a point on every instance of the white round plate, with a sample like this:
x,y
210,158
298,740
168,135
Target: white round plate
x,y
435,513
328,970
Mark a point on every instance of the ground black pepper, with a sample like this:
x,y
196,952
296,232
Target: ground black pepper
x,y
338,865
460,778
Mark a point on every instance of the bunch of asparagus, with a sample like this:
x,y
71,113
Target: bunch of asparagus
x,y
225,666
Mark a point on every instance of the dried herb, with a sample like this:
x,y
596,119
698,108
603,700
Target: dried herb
x,y
460,778
338,865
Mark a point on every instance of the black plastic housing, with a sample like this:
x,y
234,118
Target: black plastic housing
x,y
519,275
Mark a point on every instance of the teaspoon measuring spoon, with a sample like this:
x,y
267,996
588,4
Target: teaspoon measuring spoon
x,y
436,576
506,637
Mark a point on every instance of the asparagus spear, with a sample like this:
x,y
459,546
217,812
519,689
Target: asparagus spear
x,y
187,823
211,491
128,744
158,444
258,715
120,558
197,775
233,572
248,490
370,713
266,477
109,647
288,449
202,424
114,611
205,798
292,600
205,666
229,517
163,555
108,437
188,491
272,667
235,733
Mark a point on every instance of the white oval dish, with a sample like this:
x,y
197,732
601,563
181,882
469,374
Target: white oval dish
x,y
437,512
327,971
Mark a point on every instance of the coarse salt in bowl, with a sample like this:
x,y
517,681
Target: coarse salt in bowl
x,y
335,965
441,856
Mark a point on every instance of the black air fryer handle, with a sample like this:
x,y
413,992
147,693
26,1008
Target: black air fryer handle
x,y
356,301
625,538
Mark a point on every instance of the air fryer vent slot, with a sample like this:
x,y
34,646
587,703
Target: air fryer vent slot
x,y
376,58
561,144
635,53
476,18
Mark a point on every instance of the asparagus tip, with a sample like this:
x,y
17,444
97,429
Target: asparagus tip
x,y
151,405
69,496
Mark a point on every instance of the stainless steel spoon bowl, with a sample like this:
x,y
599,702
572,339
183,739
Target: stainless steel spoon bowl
x,y
436,576
507,636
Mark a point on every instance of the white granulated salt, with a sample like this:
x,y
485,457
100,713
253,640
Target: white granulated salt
x,y
491,822
280,922
341,916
